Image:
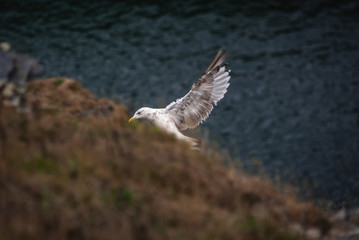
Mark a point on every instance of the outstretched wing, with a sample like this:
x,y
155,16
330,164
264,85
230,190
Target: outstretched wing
x,y
197,104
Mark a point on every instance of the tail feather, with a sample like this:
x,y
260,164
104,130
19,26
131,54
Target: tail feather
x,y
196,143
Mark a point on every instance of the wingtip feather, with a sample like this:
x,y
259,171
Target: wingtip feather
x,y
218,60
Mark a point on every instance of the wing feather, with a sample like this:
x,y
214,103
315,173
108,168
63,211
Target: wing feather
x,y
192,109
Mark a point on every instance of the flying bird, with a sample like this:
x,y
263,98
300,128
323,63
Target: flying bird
x,y
192,109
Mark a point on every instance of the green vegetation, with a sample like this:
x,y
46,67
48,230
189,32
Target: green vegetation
x,y
74,168
39,164
58,82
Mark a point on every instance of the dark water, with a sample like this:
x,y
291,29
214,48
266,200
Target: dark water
x,y
293,99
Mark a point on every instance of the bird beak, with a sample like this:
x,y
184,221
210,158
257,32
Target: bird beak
x,y
131,119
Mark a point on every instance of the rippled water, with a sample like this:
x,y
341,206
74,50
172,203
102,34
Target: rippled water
x,y
293,99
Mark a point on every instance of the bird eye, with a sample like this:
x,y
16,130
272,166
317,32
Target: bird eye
x,y
139,113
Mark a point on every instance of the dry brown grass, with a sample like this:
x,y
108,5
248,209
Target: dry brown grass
x,y
75,169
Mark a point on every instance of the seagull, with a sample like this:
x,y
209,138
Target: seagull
x,y
192,109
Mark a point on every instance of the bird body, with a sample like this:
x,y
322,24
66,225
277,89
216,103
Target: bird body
x,y
192,109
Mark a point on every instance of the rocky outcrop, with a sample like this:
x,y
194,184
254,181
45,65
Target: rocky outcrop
x,y
346,222
15,70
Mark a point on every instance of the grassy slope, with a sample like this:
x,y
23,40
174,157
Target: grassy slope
x,y
75,169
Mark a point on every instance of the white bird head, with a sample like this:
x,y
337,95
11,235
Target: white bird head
x,y
141,113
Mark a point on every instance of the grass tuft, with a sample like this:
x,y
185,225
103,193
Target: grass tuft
x,y
58,82
40,164
74,86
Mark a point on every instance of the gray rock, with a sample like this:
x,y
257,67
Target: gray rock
x,y
15,71
346,224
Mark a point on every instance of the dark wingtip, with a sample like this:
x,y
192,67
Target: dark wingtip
x,y
218,59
